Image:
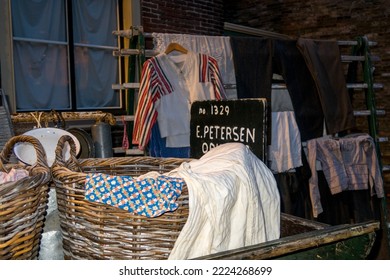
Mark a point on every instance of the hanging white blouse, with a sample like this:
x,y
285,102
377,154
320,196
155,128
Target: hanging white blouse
x,y
169,84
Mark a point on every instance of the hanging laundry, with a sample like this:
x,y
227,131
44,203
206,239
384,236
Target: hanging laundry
x,y
348,163
216,46
323,60
285,148
169,84
285,154
150,196
253,66
158,148
125,140
309,68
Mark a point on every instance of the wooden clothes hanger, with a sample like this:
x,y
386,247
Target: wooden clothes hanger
x,y
175,47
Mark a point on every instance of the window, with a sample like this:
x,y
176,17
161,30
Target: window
x,y
62,54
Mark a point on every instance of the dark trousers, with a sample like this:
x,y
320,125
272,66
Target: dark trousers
x,y
288,62
346,207
252,59
324,62
312,74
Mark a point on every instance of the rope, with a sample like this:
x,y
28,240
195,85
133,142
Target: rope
x,y
37,117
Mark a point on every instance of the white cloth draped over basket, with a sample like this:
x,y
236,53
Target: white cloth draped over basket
x,y
233,202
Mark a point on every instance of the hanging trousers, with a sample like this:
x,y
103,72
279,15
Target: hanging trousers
x,y
323,59
309,73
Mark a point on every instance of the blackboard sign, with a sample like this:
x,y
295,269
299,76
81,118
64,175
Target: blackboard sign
x,y
217,122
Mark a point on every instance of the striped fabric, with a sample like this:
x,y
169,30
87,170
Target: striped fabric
x,y
161,78
209,72
152,88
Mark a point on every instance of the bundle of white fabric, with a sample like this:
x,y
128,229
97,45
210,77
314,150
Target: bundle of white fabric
x,y
233,202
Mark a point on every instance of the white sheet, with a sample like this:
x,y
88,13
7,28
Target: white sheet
x,y
233,202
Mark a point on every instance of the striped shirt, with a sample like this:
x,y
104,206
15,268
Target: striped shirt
x,y
169,84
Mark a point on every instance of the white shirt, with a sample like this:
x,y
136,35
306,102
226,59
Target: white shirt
x,y
169,85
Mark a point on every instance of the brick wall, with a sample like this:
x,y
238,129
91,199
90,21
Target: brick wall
x,y
203,17
329,19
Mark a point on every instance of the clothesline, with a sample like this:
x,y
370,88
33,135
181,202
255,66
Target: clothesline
x,y
129,33
233,86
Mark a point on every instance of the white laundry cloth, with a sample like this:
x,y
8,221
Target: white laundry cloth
x,y
285,149
233,202
216,46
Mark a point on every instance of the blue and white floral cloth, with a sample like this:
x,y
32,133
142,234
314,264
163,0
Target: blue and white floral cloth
x,y
148,196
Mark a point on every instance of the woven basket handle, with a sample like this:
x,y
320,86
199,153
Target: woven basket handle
x,y
72,162
40,152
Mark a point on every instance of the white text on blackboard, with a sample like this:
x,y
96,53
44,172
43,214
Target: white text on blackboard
x,y
217,110
226,133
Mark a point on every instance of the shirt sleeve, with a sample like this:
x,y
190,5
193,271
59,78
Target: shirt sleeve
x,y
313,181
375,180
215,77
146,114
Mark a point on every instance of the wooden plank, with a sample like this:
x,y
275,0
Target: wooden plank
x,y
302,242
355,248
126,86
128,52
353,43
368,113
68,116
127,118
128,152
291,225
350,58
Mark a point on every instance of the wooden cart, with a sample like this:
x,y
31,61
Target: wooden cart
x,y
303,239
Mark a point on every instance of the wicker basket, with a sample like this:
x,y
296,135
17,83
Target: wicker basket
x,y
97,231
23,204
